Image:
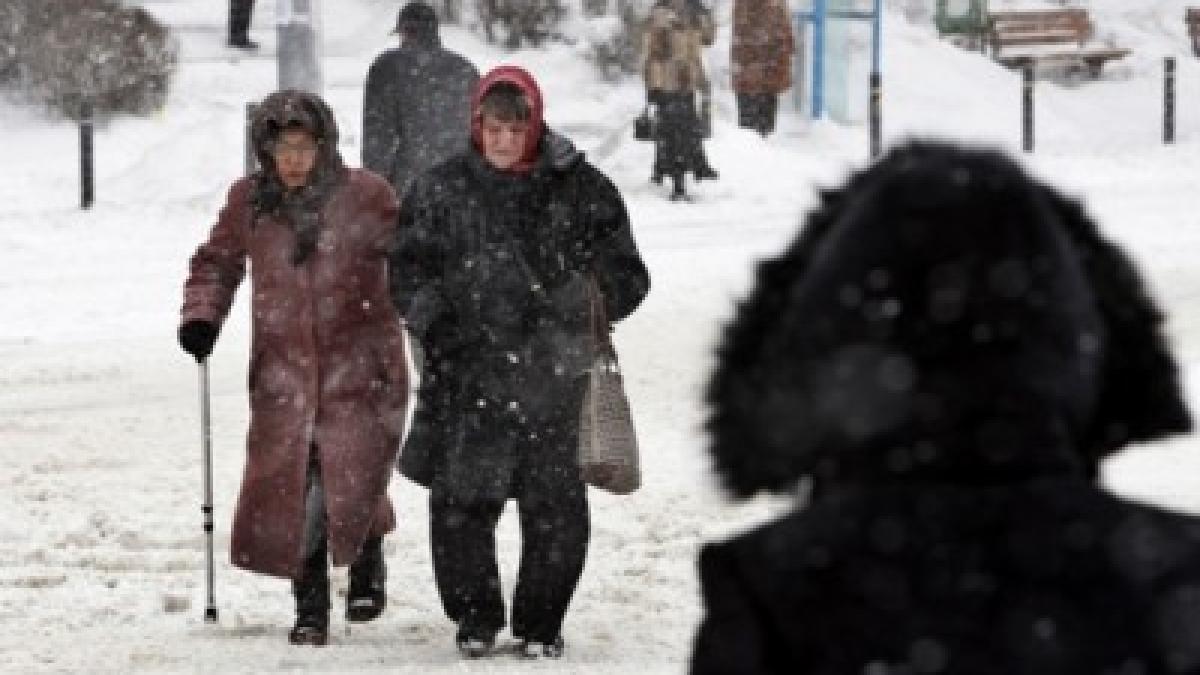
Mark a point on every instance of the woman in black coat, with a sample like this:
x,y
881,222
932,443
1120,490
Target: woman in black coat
x,y
943,357
497,250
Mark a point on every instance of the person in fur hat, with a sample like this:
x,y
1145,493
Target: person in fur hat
x,y
328,376
498,248
942,358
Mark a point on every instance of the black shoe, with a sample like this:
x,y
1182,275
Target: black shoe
x,y
242,42
368,591
706,173
310,631
532,649
474,642
656,178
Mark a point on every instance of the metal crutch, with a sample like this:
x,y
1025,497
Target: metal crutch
x,y
210,609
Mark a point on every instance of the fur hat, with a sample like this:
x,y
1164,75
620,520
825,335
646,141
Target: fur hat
x,y
941,316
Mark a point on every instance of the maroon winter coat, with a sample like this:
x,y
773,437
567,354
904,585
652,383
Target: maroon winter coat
x,y
327,368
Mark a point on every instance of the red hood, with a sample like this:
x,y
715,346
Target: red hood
x,y
520,77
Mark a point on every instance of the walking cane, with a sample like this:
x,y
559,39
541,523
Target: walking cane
x,y
210,609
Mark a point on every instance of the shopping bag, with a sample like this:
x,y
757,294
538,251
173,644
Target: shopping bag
x,y
608,449
643,126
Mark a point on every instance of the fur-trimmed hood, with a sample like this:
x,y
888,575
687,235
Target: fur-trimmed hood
x,y
942,316
292,109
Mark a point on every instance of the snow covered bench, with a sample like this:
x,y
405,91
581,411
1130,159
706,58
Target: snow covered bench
x,y
1191,17
1020,38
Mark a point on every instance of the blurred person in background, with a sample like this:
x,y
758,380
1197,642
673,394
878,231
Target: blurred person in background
x,y
761,60
417,101
673,71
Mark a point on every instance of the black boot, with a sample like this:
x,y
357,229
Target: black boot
x,y
677,191
474,641
368,592
311,591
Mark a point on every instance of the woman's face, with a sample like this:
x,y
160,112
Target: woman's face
x,y
295,155
503,140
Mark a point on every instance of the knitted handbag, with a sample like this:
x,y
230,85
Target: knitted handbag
x,y
608,449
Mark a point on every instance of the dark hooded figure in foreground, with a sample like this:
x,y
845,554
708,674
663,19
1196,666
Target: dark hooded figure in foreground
x,y
497,249
327,376
944,355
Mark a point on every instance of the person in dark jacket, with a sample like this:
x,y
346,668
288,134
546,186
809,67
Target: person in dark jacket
x,y
943,357
497,249
328,376
417,101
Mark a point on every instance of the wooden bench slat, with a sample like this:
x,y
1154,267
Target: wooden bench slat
x,y
1036,38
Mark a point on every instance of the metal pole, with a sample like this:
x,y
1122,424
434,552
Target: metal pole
x,y
818,78
1027,107
876,115
1169,99
251,159
210,608
798,60
876,84
86,155
296,57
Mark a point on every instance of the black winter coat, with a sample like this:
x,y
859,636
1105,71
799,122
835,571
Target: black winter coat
x,y
946,353
1046,577
491,274
416,110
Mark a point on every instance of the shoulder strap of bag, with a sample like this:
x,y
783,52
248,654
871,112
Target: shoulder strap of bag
x,y
597,317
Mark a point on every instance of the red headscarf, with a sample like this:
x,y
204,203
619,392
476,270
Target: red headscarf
x,y
520,77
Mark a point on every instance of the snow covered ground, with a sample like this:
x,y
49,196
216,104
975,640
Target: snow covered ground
x,y
101,550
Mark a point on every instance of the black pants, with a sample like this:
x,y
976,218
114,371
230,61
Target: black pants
x,y
239,18
678,146
552,505
758,112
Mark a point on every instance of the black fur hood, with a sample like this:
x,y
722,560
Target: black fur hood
x,y
942,316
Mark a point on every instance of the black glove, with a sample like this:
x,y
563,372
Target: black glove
x,y
197,338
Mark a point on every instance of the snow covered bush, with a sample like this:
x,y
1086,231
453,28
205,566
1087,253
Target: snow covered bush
x,y
514,23
61,52
614,42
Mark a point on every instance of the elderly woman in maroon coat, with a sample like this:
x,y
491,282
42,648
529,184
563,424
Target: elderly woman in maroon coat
x,y
327,376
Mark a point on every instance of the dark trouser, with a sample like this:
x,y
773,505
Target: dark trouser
x,y
239,18
552,504
678,146
311,590
758,112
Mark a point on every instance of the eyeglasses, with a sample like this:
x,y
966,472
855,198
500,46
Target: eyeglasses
x,y
281,149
